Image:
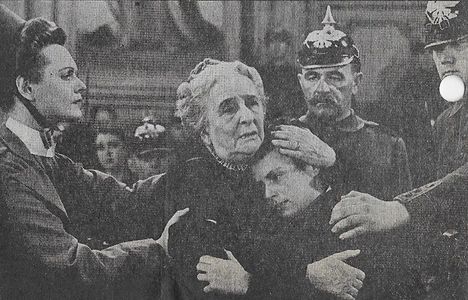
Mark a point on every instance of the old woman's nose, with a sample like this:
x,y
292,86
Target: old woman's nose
x,y
246,115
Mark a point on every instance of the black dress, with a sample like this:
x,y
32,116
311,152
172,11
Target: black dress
x,y
225,205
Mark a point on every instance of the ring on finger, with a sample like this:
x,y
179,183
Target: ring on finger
x,y
295,145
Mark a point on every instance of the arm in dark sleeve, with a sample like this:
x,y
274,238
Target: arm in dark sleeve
x,y
189,239
276,273
434,209
439,205
124,212
280,283
37,237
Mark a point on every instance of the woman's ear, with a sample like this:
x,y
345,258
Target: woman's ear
x,y
24,88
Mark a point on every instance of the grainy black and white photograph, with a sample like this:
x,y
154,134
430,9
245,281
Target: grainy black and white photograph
x,y
222,150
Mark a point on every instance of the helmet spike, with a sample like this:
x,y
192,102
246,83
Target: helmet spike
x,y
328,20
328,47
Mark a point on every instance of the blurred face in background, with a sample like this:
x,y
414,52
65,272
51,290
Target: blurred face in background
x,y
278,53
111,151
150,163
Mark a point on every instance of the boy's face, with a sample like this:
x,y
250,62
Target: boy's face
x,y
289,189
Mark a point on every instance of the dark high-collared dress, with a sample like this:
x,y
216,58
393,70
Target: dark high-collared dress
x,y
224,203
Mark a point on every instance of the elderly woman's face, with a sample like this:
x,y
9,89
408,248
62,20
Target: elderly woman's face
x,y
235,119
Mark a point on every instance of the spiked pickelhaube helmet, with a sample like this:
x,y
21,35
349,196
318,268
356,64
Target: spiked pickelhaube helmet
x,y
328,47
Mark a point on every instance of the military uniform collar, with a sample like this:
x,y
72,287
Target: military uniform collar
x,y
456,107
31,138
351,123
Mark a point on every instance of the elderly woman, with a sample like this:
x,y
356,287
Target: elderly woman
x,y
222,107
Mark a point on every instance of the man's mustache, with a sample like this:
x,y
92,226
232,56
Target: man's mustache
x,y
323,98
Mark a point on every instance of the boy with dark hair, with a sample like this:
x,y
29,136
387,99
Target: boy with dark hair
x,y
295,256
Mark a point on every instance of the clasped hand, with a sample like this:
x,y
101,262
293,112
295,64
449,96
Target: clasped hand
x,y
225,276
334,276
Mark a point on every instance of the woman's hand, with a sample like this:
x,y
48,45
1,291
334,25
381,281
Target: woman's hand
x,y
225,276
302,144
164,238
334,276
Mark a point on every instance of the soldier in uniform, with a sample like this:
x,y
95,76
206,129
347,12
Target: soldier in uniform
x,y
372,159
438,207
447,39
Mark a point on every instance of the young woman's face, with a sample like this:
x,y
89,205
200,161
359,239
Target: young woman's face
x,y
110,151
58,93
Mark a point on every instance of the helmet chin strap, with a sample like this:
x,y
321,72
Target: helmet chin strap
x,y
40,118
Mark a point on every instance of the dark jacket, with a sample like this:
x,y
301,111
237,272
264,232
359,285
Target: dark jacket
x,y
441,206
288,245
451,136
44,226
373,160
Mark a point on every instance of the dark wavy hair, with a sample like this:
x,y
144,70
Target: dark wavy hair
x,y
267,147
37,34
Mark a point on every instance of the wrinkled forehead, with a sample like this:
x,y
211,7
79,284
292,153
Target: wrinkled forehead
x,y
229,86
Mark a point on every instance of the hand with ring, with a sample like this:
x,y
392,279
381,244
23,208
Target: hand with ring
x,y
295,145
302,144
